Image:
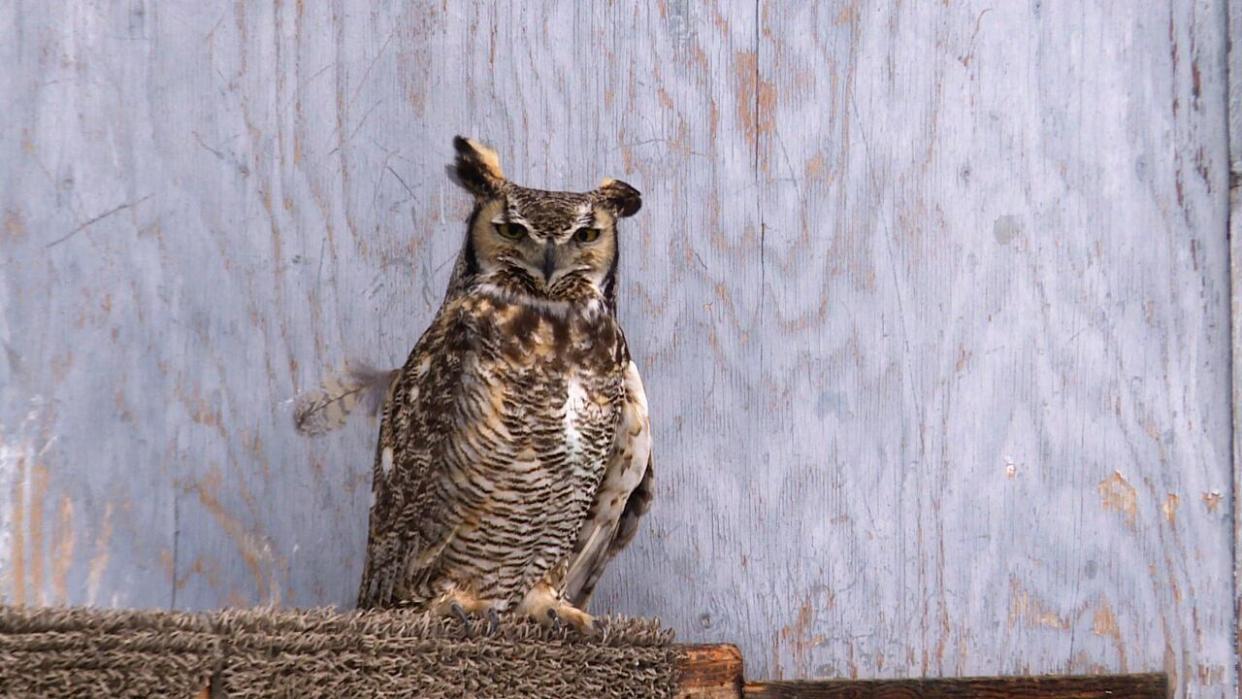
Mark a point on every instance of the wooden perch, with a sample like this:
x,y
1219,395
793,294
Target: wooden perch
x,y
711,672
715,672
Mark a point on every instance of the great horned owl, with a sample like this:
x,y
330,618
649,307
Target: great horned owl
x,y
514,455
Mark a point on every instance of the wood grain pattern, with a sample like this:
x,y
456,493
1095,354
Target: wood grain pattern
x,y
1235,296
1006,382
932,301
1148,686
710,672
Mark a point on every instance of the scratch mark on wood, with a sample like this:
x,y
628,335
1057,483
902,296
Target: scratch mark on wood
x,y
403,184
90,222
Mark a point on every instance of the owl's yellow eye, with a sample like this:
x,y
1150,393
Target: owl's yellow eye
x,y
511,231
587,235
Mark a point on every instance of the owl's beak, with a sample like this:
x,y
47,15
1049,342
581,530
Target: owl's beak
x,y
549,260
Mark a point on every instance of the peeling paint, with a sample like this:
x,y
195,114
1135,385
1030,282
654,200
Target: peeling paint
x,y
1028,609
1118,495
755,98
797,640
39,481
1104,623
23,484
1169,508
815,168
13,227
1011,468
1212,500
1209,675
12,538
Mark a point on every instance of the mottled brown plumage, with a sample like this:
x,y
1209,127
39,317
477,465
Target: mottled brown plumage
x,y
514,451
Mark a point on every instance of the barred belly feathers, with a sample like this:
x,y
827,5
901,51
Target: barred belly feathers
x,y
514,454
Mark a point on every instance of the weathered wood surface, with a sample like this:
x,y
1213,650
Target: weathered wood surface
x,y
932,301
1235,277
710,672
1144,686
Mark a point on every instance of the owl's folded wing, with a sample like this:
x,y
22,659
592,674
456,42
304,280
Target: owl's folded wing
x,y
409,527
624,495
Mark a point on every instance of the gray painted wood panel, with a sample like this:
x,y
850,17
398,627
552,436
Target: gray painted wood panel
x,y
1235,277
932,303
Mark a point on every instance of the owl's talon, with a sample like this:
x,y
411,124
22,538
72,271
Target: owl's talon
x,y
460,612
556,619
599,625
493,621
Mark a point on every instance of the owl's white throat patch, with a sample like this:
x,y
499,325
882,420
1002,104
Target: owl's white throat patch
x,y
574,409
553,306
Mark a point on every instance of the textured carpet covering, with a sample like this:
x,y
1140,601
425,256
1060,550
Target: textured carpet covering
x,y
321,653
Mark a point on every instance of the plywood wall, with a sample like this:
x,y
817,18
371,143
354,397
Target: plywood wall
x,y
932,300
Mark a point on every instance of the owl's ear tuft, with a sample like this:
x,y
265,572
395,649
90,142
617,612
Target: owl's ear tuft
x,y
623,199
477,168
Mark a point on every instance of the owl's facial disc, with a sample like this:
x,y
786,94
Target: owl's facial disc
x,y
552,244
547,258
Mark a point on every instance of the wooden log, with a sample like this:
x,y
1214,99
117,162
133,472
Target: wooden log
x,y
710,672
1145,686
716,672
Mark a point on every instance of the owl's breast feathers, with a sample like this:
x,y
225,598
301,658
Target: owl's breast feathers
x,y
492,448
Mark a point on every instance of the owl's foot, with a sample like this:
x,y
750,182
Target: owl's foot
x,y
493,621
462,606
546,606
460,612
568,615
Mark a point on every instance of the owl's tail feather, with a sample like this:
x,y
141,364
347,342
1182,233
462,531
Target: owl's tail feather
x,y
326,408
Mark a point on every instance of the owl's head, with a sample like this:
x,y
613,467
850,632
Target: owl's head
x,y
532,242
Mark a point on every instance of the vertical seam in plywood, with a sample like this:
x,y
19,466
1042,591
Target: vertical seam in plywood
x,y
1233,93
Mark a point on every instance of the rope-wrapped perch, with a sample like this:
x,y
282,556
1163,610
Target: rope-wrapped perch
x,y
56,652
